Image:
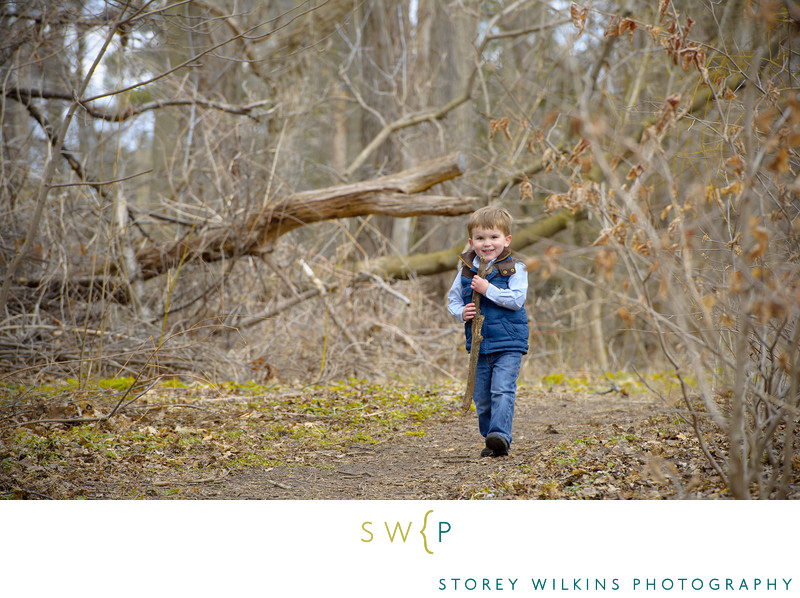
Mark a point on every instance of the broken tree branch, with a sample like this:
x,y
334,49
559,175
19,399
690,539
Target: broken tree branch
x,y
391,195
428,264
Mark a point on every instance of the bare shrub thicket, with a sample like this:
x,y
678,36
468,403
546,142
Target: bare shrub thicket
x,y
131,129
134,131
697,206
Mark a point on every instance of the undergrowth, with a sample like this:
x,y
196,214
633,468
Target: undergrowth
x,y
176,428
55,440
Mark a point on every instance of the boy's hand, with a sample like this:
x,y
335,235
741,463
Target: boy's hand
x,y
479,284
469,312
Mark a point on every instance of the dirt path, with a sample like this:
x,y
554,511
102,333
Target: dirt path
x,y
445,462
356,441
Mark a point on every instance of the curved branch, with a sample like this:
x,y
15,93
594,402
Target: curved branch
x,y
441,112
24,96
528,30
403,123
244,35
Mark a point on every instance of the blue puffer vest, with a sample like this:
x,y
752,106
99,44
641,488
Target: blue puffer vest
x,y
503,329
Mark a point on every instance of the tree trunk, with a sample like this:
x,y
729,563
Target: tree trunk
x,y
596,324
392,195
427,264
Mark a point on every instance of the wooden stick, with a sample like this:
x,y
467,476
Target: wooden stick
x,y
477,325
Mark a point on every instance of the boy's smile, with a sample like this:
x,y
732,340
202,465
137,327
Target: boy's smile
x,y
489,243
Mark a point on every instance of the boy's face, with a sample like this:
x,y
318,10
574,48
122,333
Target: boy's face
x,y
489,243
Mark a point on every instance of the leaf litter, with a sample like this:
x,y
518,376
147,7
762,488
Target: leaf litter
x,y
347,440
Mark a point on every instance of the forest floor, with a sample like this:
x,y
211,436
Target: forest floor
x,y
573,439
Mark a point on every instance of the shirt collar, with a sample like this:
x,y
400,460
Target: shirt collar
x,y
471,259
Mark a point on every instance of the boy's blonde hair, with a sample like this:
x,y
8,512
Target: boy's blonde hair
x,y
490,217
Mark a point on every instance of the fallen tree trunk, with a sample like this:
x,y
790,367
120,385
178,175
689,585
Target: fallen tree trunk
x,y
427,264
391,195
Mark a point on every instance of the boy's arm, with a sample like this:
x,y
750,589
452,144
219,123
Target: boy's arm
x,y
455,304
513,297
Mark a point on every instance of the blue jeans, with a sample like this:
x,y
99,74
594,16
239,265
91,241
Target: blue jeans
x,y
496,391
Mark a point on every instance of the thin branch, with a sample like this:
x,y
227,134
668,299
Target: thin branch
x,y
403,123
24,95
439,113
119,406
527,31
33,492
100,183
189,62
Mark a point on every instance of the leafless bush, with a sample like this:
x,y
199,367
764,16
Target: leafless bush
x,y
699,242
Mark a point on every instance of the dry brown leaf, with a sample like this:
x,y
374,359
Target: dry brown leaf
x,y
635,172
735,164
499,124
708,301
525,189
603,237
640,247
780,163
626,317
628,26
553,252
761,235
552,203
551,259
549,159
604,263
536,137
579,148
663,6
736,283
767,309
533,264
578,14
763,120
725,320
668,114
619,27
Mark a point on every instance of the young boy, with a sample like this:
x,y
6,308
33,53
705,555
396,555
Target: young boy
x,y
505,324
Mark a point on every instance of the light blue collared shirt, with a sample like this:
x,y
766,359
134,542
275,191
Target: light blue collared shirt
x,y
512,298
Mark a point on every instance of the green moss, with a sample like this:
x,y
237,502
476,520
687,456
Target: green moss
x,y
174,383
553,379
121,383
